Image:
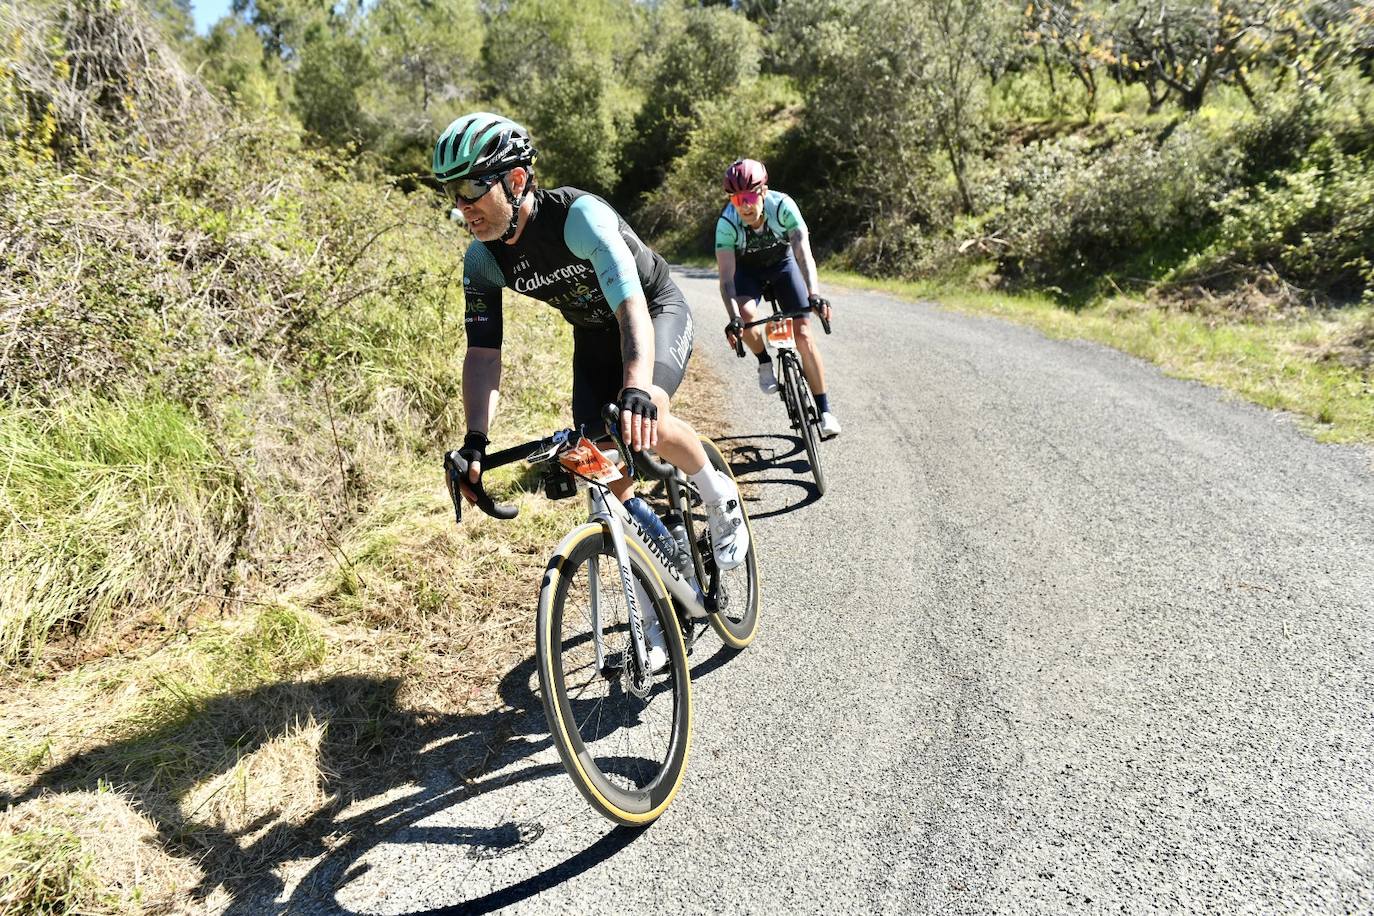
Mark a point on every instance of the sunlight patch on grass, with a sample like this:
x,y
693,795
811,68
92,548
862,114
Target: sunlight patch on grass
x,y
86,852
1280,364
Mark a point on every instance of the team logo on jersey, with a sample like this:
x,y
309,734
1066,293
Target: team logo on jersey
x,y
536,281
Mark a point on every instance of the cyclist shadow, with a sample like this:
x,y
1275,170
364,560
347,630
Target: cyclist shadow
x,y
371,749
752,456
397,820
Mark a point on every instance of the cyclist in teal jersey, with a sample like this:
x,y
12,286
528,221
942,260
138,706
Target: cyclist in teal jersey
x,y
761,237
632,328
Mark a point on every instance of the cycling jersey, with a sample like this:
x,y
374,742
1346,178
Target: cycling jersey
x,y
767,245
576,254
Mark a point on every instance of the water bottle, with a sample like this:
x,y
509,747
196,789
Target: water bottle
x,y
653,526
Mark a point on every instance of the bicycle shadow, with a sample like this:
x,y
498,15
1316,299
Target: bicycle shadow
x,y
751,455
339,867
371,748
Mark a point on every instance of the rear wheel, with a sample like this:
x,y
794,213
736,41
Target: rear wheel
x,y
622,733
737,620
806,415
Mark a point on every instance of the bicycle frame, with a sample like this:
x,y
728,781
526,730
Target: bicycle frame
x,y
608,511
615,520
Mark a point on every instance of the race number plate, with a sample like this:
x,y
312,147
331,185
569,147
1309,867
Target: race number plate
x,y
586,460
780,335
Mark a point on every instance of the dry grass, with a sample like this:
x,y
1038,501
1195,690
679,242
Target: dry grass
x,y
381,651
87,852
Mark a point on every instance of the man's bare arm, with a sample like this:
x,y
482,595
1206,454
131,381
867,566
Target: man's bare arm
x,y
481,387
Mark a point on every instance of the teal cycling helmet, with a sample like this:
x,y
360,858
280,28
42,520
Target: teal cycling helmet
x,y
481,144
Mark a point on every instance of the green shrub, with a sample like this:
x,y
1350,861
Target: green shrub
x,y
700,58
1071,215
681,212
111,506
208,363
1314,224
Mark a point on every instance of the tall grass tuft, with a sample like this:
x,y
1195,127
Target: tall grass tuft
x,y
106,505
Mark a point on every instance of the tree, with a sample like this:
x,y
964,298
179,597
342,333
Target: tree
x,y
234,62
952,83
425,57
559,67
702,54
870,115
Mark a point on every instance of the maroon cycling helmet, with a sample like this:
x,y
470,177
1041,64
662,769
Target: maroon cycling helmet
x,y
745,175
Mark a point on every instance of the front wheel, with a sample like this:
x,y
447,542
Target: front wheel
x,y
622,733
737,619
804,409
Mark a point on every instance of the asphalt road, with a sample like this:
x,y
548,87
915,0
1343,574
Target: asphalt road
x,y
1065,635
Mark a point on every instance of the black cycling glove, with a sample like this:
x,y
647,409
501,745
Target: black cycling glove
x,y
734,329
639,403
474,449
819,303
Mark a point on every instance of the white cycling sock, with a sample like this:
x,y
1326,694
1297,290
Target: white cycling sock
x,y
711,484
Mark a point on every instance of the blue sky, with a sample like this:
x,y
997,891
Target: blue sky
x,y
208,12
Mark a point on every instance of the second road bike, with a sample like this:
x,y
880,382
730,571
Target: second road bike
x,y
792,387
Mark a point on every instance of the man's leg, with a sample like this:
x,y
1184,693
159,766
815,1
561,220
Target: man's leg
x,y
749,310
791,291
678,442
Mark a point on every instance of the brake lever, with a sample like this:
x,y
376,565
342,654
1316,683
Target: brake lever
x,y
455,469
611,414
451,477
820,313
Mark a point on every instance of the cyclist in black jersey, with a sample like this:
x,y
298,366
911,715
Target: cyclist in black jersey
x,y
632,328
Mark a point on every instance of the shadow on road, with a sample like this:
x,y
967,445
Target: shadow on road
x,y
370,749
752,456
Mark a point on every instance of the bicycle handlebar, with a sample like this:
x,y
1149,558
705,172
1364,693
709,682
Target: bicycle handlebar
x,y
795,313
456,467
456,470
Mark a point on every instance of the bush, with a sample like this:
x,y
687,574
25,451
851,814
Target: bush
x,y
1071,215
702,57
681,212
207,364
112,506
1314,224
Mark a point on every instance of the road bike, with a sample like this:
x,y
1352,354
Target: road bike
x,y
792,388
611,594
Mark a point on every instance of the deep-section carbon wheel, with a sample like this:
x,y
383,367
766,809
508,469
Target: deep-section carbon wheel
x,y
808,417
623,733
738,620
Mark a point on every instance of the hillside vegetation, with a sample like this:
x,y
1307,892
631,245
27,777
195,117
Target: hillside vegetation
x,y
229,366
232,597
1208,162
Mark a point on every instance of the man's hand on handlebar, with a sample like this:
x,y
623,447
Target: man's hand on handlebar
x,y
638,419
734,335
820,304
733,330
473,451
